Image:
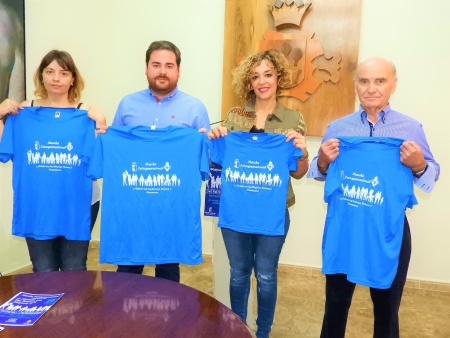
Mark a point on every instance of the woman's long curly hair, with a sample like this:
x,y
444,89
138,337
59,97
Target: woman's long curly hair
x,y
245,69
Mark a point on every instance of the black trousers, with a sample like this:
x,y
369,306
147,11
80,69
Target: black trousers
x,y
169,271
386,302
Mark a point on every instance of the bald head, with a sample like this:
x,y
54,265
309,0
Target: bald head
x,y
375,81
377,62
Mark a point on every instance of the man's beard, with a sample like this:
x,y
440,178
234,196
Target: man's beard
x,y
165,88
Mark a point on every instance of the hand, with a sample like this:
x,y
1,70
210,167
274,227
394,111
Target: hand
x,y
411,155
101,130
217,132
299,140
9,107
329,150
97,116
203,130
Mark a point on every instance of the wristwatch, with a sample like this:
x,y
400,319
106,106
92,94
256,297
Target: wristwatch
x,y
420,173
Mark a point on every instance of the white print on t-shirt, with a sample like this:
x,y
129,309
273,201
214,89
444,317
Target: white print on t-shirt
x,y
55,158
150,177
361,193
253,176
260,178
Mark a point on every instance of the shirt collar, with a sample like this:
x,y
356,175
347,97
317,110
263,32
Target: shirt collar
x,y
166,98
382,115
278,111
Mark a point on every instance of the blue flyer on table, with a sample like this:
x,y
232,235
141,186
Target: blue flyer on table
x,y
25,309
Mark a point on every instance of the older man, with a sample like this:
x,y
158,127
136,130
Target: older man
x,y
367,238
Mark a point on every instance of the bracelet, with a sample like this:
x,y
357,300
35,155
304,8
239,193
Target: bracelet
x,y
304,157
421,172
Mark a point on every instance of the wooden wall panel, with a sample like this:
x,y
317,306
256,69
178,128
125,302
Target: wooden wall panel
x,y
328,36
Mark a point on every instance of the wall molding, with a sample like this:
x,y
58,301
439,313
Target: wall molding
x,y
297,271
410,283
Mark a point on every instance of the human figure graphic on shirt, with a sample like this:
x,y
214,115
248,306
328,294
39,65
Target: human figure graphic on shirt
x,y
158,106
375,81
58,83
258,79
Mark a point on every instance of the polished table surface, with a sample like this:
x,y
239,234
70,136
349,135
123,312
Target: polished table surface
x,y
113,304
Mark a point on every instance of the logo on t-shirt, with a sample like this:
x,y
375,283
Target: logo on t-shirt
x,y
150,177
253,176
361,193
53,156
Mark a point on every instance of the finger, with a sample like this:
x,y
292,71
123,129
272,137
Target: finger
x,y
334,152
405,145
410,145
292,135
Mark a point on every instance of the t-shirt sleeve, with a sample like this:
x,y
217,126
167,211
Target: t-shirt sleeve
x,y
6,142
215,150
331,184
294,154
95,169
89,142
204,161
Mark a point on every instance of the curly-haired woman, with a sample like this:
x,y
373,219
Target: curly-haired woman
x,y
258,80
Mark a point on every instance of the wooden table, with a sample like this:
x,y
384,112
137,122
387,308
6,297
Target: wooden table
x,y
113,304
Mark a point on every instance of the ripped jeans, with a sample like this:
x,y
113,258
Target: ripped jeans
x,y
261,253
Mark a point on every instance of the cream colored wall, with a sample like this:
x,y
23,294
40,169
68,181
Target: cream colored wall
x,y
108,40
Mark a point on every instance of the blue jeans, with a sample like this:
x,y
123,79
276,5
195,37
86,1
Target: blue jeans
x,y
60,253
261,253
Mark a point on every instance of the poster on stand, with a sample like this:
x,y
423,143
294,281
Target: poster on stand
x,y
213,191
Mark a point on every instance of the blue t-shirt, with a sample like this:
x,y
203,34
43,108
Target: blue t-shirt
x,y
254,180
151,194
177,109
49,148
367,190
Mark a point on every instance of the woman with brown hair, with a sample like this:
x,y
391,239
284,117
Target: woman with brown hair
x,y
48,140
